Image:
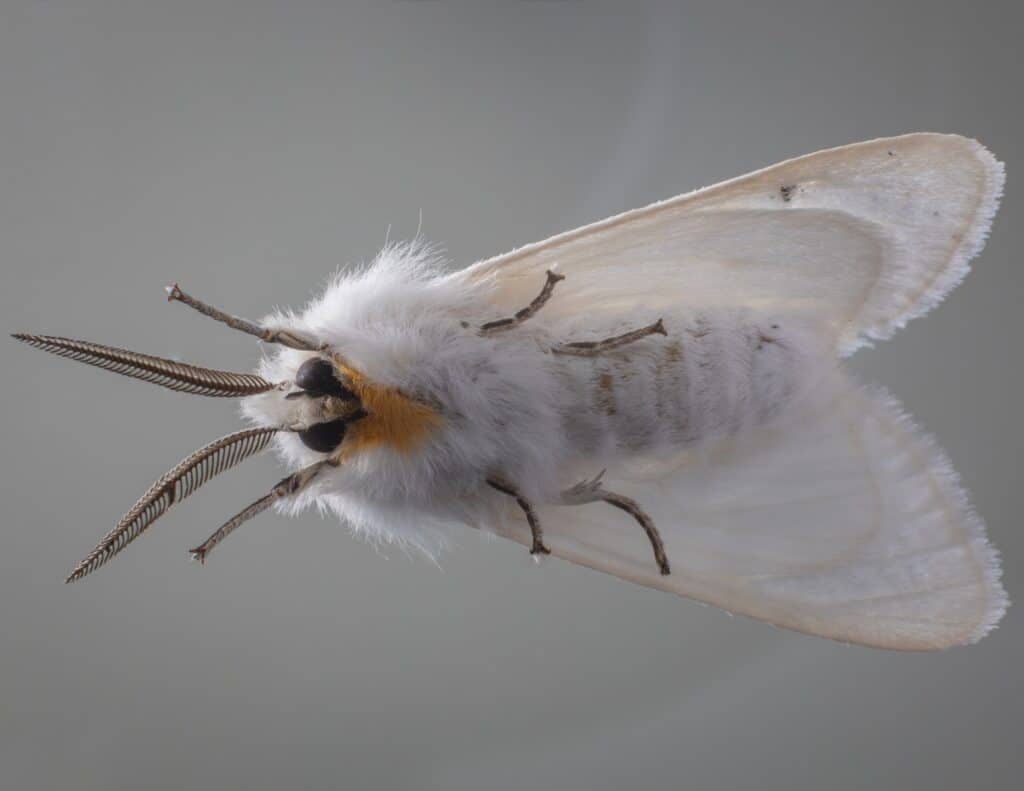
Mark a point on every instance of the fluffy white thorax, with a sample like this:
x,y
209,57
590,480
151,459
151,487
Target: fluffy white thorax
x,y
405,325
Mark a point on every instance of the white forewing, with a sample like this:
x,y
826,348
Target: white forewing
x,y
858,239
843,521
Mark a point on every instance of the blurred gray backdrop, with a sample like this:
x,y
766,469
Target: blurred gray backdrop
x,y
248,149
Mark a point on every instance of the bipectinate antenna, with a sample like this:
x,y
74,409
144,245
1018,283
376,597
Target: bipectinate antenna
x,y
158,370
172,487
317,381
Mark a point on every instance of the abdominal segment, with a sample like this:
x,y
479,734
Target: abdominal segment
x,y
712,376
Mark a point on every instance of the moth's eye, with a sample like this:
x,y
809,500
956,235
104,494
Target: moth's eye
x,y
323,437
316,377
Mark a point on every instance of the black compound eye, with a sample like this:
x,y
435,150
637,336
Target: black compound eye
x,y
316,377
324,437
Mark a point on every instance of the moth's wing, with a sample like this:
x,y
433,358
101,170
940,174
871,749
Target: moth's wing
x,y
845,521
858,239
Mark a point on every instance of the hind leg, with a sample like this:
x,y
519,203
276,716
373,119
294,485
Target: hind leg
x,y
592,491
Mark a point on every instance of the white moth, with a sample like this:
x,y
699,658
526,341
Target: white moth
x,y
673,413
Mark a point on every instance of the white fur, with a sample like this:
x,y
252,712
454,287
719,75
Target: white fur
x,y
400,322
781,489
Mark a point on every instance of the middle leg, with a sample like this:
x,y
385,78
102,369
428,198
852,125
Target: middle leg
x,y
594,348
506,487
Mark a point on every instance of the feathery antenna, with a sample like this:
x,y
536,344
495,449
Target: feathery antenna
x,y
172,487
158,370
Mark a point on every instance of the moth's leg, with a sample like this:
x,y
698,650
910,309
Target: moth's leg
x,y
284,337
594,348
288,487
499,325
592,491
505,487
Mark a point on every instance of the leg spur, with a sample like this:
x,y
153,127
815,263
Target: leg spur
x,y
592,491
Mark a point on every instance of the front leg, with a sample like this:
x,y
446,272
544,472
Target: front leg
x,y
288,487
285,337
506,487
539,301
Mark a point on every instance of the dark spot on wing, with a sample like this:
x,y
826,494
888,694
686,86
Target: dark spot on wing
x,y
786,190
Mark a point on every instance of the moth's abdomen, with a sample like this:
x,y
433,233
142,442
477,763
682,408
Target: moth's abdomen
x,y
712,376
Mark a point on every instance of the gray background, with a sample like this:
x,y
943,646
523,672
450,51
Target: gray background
x,y
247,149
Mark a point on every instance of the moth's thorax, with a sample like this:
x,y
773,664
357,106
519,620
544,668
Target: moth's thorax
x,y
445,406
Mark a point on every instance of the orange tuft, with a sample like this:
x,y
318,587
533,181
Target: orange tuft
x,y
393,419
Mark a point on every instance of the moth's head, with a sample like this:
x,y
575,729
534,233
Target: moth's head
x,y
308,393
318,400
